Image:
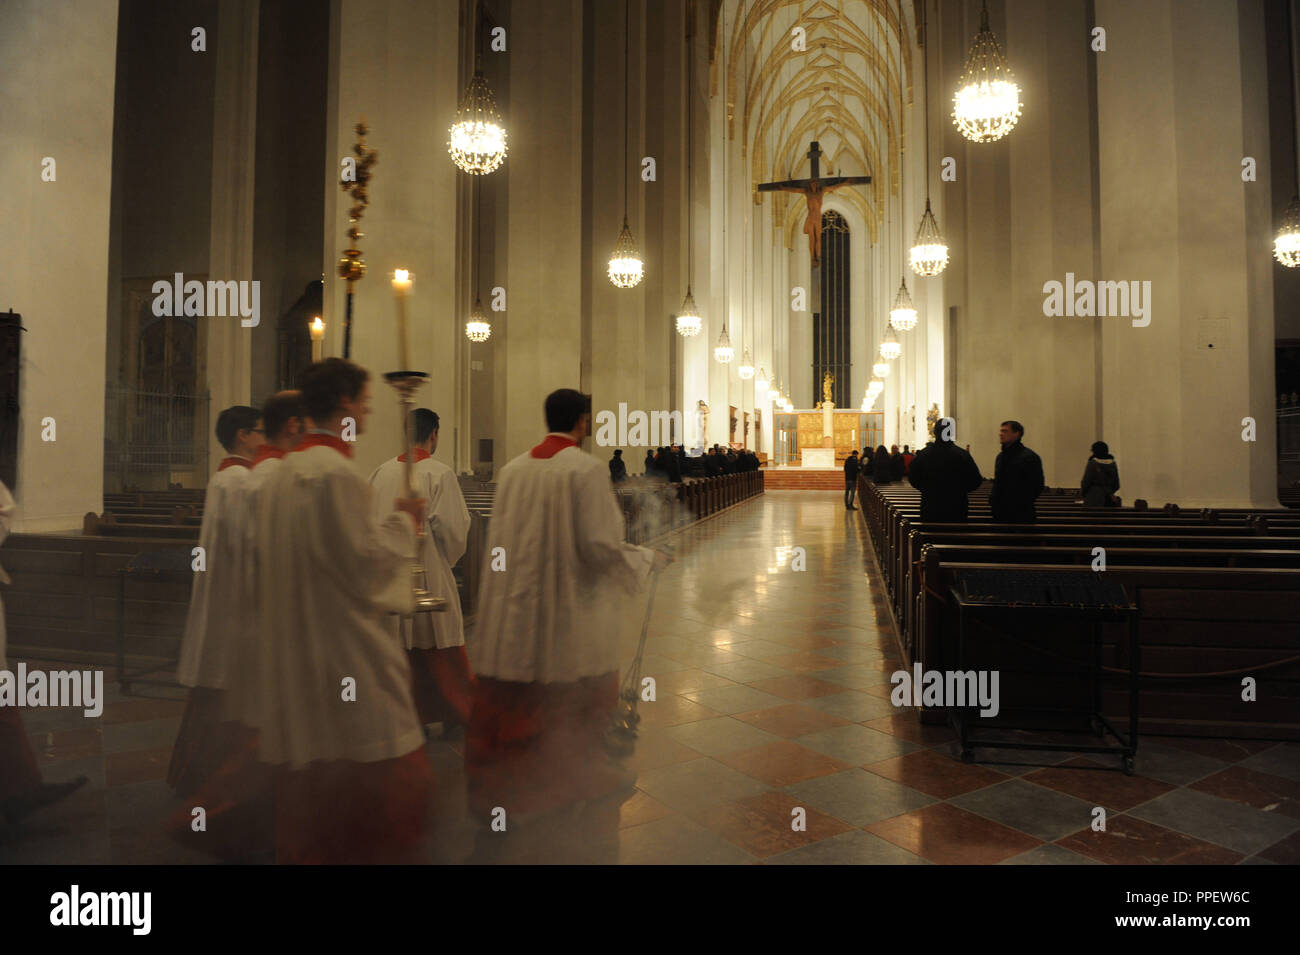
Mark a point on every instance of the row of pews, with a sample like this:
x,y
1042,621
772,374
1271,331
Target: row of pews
x,y
118,590
1217,591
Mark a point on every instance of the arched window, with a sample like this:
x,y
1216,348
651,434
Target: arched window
x,y
831,321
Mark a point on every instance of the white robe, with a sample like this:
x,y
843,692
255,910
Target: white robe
x,y
219,611
446,533
7,510
328,573
555,614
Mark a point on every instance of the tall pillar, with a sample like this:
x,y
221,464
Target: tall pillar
x,y
230,250
543,344
396,65
55,246
1177,111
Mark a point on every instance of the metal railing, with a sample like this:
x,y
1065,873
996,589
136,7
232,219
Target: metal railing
x,y
152,439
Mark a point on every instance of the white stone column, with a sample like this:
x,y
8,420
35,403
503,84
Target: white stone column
x,y
396,65
229,344
544,342
1177,111
61,58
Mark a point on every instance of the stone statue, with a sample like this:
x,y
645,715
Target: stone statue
x,y
701,423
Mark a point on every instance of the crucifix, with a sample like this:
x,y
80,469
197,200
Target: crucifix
x,y
813,189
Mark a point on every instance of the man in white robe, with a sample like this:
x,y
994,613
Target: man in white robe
x,y
545,649
435,642
352,781
220,609
238,795
21,788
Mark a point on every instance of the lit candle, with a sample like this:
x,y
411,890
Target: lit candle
x,y
402,288
317,338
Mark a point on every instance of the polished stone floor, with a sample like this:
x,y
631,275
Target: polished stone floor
x,y
771,648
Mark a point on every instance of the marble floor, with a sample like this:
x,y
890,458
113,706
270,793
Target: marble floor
x,y
771,645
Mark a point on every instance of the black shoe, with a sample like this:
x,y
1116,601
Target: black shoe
x,y
46,794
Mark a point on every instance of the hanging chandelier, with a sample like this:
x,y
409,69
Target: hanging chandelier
x,y
986,105
890,348
689,322
746,367
477,141
880,369
876,385
760,383
625,266
722,351
1286,244
903,315
478,328
929,253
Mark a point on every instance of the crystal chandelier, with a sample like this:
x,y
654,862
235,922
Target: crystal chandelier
x,y
890,347
746,367
722,351
929,252
625,266
760,383
1286,244
477,329
880,369
903,315
477,141
876,385
688,319
986,105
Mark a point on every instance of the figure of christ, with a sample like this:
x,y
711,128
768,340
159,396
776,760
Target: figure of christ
x,y
814,189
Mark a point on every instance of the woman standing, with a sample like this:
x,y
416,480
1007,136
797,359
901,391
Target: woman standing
x,y
1100,477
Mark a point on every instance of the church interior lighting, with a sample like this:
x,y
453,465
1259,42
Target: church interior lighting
x,y
1286,244
986,105
625,266
890,348
880,369
477,141
746,367
903,315
478,329
689,322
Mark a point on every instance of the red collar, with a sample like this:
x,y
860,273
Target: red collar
x,y
317,440
267,452
234,461
420,455
553,445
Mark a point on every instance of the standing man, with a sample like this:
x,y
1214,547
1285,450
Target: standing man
x,y
435,642
220,608
850,479
546,644
352,781
944,474
1017,478
617,468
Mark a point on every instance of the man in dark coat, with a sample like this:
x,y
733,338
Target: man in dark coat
x,y
1017,478
617,469
850,479
880,467
896,469
944,474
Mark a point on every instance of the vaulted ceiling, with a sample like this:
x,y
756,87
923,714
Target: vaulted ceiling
x,y
843,88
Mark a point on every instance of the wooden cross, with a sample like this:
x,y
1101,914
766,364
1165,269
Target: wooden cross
x,y
813,189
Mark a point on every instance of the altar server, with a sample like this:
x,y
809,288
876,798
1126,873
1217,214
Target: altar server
x,y
21,788
545,651
435,642
352,780
219,608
